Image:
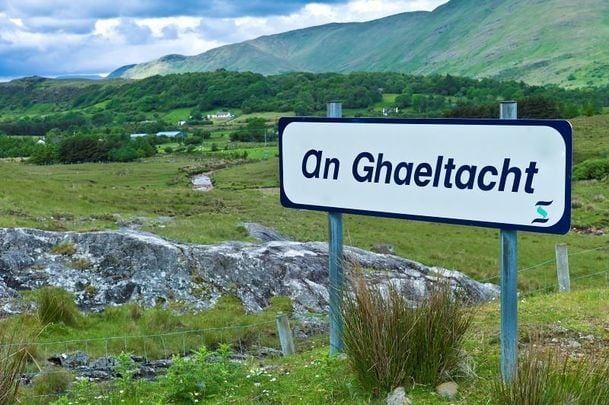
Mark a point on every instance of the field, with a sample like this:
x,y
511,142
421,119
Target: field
x,y
155,194
99,196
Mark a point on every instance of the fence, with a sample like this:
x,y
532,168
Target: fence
x,y
566,270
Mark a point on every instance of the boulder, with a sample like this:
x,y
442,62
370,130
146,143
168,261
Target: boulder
x,y
131,266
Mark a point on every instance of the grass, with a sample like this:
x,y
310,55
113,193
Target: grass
x,y
155,333
311,377
546,377
390,344
14,352
101,196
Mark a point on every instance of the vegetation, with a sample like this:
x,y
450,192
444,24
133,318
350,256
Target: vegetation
x,y
547,377
14,352
312,377
542,43
390,344
56,305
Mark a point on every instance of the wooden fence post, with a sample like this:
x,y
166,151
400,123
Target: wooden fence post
x,y
285,335
562,268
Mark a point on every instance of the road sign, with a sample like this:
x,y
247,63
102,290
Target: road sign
x,y
508,174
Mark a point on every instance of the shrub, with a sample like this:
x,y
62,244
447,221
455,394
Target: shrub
x,y
53,380
390,343
64,249
591,169
56,305
80,264
543,378
204,375
13,356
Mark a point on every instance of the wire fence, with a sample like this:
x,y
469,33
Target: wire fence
x,y
542,276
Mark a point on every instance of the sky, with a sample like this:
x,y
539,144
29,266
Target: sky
x,y
65,37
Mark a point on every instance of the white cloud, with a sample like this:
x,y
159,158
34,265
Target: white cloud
x,y
44,45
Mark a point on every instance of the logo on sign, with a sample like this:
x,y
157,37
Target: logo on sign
x,y
542,212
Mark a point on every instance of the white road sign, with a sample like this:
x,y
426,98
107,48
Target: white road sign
x,y
510,174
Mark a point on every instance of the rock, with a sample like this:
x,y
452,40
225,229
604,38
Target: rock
x,y
201,182
398,397
574,344
132,266
384,249
447,390
107,364
262,233
74,360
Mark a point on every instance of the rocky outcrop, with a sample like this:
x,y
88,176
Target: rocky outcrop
x,y
115,267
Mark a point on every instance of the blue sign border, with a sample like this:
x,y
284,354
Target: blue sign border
x,y
563,127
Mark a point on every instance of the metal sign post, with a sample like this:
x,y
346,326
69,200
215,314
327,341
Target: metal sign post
x,y
335,266
509,282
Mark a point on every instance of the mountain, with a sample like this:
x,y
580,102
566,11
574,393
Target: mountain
x,y
537,41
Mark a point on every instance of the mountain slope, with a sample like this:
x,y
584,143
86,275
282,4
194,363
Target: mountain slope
x,y
538,41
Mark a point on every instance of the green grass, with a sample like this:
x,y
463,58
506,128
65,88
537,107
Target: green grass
x,y
310,377
156,333
176,115
96,196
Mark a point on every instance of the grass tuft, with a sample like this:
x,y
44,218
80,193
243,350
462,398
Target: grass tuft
x,y
543,377
14,351
390,344
64,249
56,305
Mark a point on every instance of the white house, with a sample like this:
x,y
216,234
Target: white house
x,y
220,114
133,136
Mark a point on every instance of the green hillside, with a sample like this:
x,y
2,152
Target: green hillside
x,y
552,41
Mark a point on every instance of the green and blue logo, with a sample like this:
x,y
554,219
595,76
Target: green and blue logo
x,y
544,216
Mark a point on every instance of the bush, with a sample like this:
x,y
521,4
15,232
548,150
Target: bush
x,y
544,378
64,249
202,376
13,356
56,305
591,169
391,344
53,380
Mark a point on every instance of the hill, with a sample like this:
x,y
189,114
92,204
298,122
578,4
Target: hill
x,y
539,42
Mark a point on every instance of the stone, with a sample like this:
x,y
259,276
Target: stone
x,y
262,233
134,266
574,344
383,248
447,390
398,397
74,360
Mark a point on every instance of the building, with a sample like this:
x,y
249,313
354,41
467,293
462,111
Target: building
x,y
170,134
220,114
133,136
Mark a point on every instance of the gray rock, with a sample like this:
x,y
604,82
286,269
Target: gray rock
x,y
131,266
447,390
383,248
398,397
74,360
262,233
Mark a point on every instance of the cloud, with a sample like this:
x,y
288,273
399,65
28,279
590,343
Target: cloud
x,y
152,8
133,33
54,37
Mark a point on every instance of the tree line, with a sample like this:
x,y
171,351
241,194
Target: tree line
x,y
37,106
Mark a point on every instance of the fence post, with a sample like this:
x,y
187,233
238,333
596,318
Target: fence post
x,y
285,335
562,268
